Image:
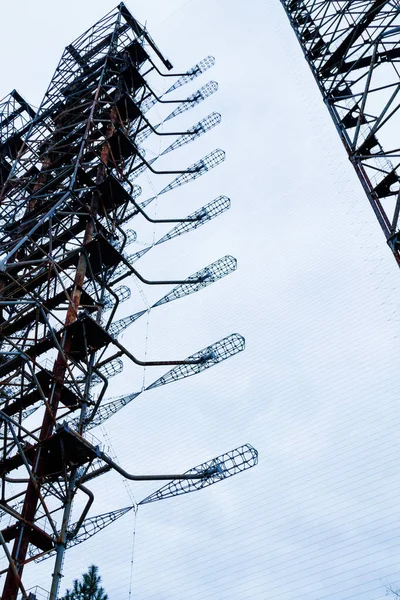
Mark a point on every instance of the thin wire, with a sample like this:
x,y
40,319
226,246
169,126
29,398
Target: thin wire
x,y
146,302
176,11
125,482
153,242
135,510
146,347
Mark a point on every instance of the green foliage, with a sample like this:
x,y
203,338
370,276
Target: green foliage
x,y
88,588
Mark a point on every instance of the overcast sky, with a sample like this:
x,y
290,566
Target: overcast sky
x,y
315,295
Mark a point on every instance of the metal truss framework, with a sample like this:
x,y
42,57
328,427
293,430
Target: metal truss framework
x,y
67,194
353,49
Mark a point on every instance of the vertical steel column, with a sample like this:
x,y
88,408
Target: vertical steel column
x,y
20,548
353,49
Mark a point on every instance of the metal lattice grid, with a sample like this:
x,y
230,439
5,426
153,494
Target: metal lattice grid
x,y
353,50
67,198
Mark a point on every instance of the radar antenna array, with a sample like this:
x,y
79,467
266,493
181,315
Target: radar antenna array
x,y
352,49
68,194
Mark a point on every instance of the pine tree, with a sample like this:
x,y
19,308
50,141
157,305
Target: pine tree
x,y
88,588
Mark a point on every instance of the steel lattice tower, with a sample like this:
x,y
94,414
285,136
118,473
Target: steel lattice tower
x,y
353,49
67,195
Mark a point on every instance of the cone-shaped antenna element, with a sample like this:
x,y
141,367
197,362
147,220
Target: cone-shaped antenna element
x,y
191,101
210,161
119,326
198,218
123,293
204,92
134,257
191,173
211,356
203,65
95,380
208,275
108,410
121,269
131,236
143,135
88,528
195,132
206,213
138,171
135,191
112,368
29,411
219,468
95,524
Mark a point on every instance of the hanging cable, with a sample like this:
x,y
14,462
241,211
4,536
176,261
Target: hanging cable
x,y
135,510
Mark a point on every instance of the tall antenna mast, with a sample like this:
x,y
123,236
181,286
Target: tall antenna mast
x,y
353,49
68,194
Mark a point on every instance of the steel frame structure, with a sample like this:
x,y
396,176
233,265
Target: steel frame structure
x,y
353,50
67,194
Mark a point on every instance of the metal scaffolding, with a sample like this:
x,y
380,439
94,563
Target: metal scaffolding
x,y
353,50
67,177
